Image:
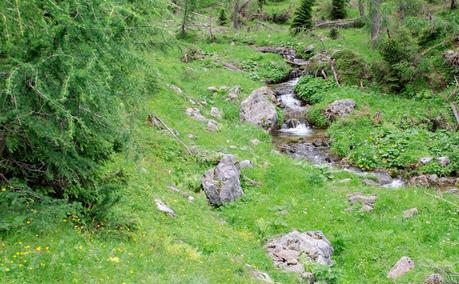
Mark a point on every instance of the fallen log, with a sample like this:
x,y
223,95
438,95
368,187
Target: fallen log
x,y
232,67
456,115
351,23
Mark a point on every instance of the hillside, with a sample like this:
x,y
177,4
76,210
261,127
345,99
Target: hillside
x,y
116,113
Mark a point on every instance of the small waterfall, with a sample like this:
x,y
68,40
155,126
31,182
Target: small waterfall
x,y
299,140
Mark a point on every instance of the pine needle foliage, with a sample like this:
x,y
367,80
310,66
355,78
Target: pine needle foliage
x,y
338,10
222,18
65,86
302,19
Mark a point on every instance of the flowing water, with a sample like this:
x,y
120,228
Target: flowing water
x,y
301,141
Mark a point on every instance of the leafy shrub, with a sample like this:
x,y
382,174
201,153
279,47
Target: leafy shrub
x,y
310,89
317,118
334,34
351,68
265,68
279,17
68,74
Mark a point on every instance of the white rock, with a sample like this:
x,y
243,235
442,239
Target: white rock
x,y
433,279
410,213
425,160
212,126
216,113
212,89
403,266
339,108
195,114
176,89
443,161
259,275
164,208
245,164
288,250
234,92
367,201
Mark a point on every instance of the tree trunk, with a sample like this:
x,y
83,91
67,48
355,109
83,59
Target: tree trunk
x,y
184,20
401,10
235,16
376,20
453,4
362,8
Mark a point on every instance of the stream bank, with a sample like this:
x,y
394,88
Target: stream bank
x,y
299,140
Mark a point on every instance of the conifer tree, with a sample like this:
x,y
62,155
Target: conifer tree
x,y
302,19
261,3
338,9
222,19
188,7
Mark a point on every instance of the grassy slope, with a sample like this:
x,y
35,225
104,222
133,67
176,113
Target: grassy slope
x,y
205,245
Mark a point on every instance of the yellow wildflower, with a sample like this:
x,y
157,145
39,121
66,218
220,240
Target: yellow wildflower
x,y
114,259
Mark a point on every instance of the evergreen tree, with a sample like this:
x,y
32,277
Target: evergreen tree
x,y
222,19
188,8
261,3
338,9
66,92
302,19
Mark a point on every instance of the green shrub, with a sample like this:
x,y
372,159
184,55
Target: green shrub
x,y
351,68
310,89
68,74
334,33
317,118
267,67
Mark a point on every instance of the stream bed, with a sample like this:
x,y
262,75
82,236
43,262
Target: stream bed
x,y
301,141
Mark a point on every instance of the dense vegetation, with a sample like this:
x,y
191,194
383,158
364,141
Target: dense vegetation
x,y
93,129
68,80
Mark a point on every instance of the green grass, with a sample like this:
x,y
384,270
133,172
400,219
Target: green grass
x,y
404,135
202,244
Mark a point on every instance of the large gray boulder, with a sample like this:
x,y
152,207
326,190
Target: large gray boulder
x,y
339,108
222,184
288,250
257,109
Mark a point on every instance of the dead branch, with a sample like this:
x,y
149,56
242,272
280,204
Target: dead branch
x,y
231,67
335,74
456,115
173,134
